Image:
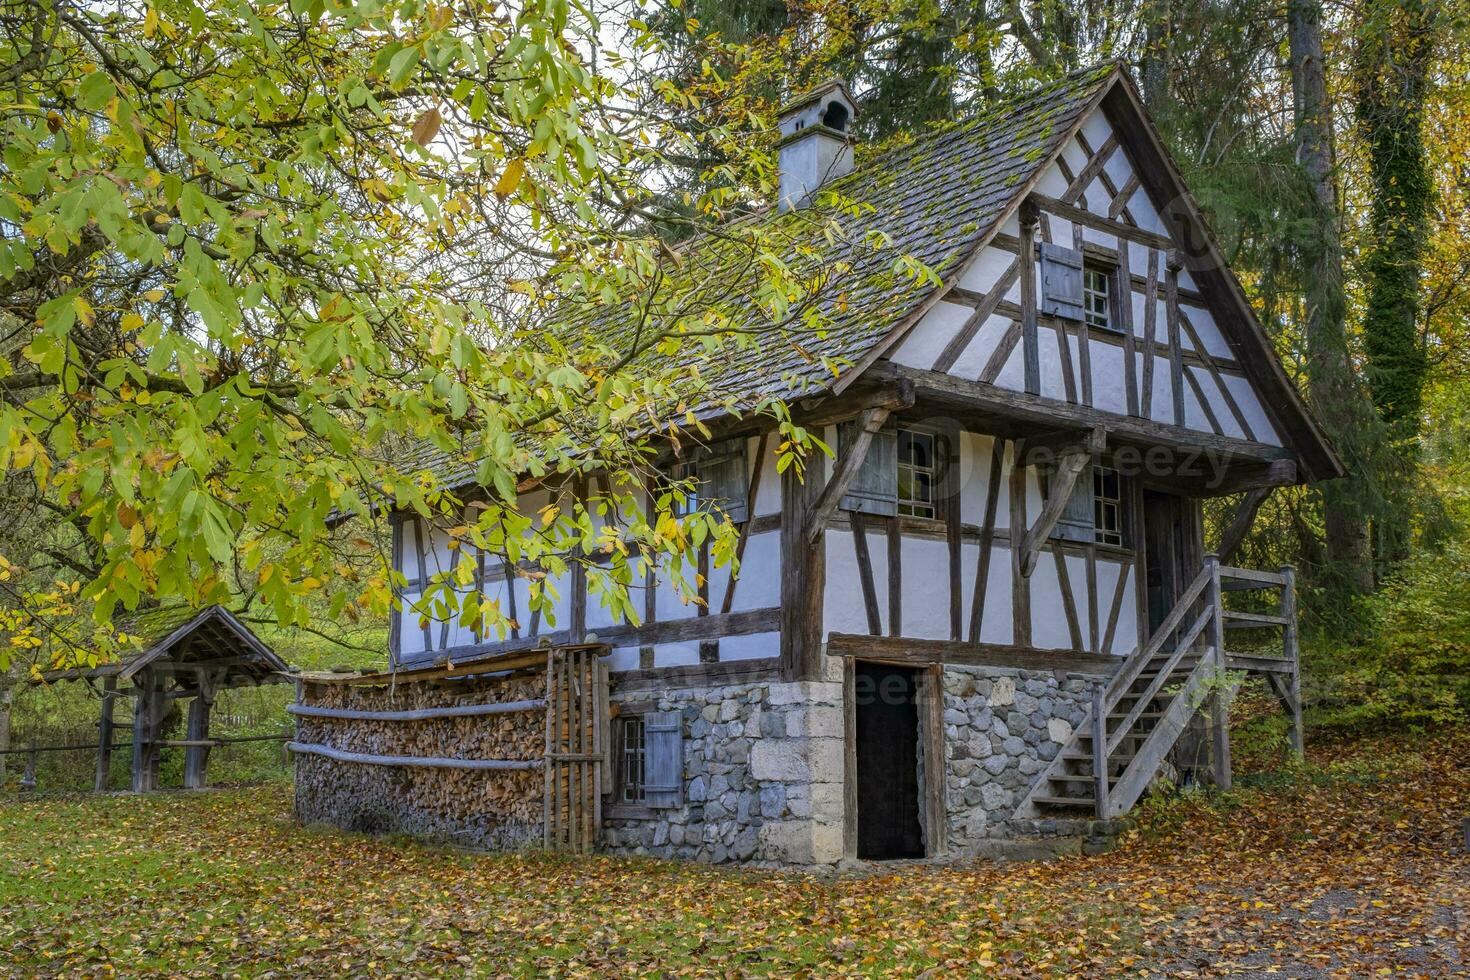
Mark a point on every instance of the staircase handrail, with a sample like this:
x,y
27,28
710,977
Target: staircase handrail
x,y
1133,665
1152,691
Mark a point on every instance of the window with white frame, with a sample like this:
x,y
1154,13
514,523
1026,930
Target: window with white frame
x,y
685,473
632,759
1107,506
917,473
1096,298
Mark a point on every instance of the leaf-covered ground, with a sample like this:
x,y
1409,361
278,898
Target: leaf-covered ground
x,y
1351,867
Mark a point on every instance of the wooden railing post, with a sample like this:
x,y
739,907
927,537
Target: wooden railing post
x,y
1219,705
1293,656
104,736
1100,748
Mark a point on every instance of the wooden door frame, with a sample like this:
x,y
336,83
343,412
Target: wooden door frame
x,y
929,700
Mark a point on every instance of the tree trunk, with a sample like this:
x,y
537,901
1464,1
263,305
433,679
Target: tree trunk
x,y
1153,66
1391,73
7,700
1333,389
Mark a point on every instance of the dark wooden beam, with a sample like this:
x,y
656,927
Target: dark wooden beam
x,y
1097,222
1047,413
893,394
1240,524
912,650
868,424
803,573
1030,345
1075,455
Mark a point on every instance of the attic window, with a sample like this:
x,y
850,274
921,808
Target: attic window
x,y
1096,298
916,473
835,117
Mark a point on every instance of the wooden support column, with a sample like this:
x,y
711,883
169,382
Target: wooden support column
x,y
1293,655
1030,345
196,757
803,573
1219,701
1176,350
104,735
147,709
578,586
1020,584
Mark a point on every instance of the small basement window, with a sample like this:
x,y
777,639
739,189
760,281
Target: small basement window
x,y
916,473
1107,506
632,757
1096,297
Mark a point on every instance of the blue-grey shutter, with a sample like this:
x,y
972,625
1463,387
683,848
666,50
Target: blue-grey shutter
x,y
874,490
724,479
1076,522
663,759
1061,281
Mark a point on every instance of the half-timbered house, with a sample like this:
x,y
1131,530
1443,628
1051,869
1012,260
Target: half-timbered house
x,y
995,604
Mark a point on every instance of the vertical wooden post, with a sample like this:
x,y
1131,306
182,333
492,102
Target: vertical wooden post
x,y
1219,704
104,736
1100,749
1176,351
196,757
143,707
1030,345
1293,655
803,573
548,766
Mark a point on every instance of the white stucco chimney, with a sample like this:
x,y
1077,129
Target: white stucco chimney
x,y
816,145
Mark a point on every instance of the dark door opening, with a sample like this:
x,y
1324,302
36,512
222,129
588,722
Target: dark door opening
x,y
887,715
1171,552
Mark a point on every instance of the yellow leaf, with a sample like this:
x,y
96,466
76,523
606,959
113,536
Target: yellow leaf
x,y
131,321
511,179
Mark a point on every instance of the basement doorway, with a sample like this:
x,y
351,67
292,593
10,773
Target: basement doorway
x,y
886,712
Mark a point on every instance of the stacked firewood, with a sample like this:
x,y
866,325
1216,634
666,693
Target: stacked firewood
x,y
500,808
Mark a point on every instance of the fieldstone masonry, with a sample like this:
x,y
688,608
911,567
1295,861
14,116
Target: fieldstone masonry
x,y
763,771
763,765
1001,728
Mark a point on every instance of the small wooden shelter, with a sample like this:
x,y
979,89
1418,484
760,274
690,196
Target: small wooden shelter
x,y
188,654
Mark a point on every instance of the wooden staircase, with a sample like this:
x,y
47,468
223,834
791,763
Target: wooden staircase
x,y
1139,714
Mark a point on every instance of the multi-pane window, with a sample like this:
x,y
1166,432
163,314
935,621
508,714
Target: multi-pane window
x,y
632,758
681,472
1107,506
1096,304
916,473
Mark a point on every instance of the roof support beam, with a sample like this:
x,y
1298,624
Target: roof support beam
x,y
1048,413
1097,222
1240,524
1075,457
868,424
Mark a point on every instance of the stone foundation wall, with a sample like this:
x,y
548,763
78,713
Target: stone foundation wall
x,y
1001,729
763,772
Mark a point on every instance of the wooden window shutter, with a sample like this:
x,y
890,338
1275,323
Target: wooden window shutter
x,y
1076,522
1061,281
663,759
724,479
874,490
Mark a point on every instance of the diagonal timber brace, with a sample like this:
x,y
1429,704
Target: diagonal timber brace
x,y
1240,524
868,424
1074,456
